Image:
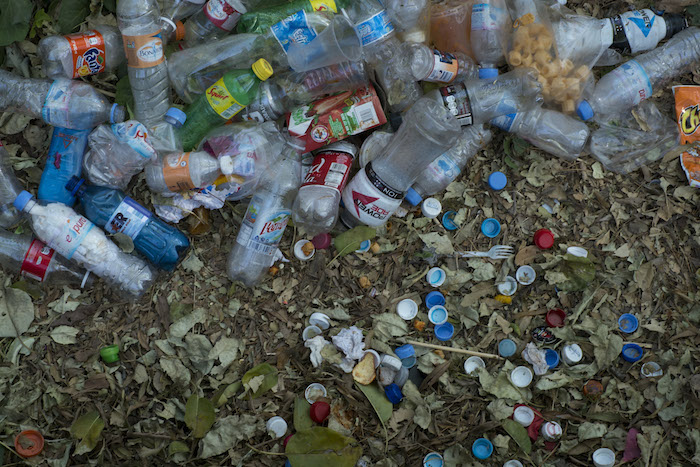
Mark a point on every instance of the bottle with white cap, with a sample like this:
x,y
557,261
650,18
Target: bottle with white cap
x,y
551,431
571,354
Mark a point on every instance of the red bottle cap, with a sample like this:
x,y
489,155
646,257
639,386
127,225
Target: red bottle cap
x,y
29,443
544,239
321,241
555,318
319,411
286,440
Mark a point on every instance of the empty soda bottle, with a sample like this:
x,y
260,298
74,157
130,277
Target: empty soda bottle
x,y
421,63
489,19
63,102
9,189
160,243
65,161
174,11
181,172
215,20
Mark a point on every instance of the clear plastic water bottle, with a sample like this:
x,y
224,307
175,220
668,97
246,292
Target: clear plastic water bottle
x,y
447,167
552,131
259,20
74,237
165,136
376,191
30,257
634,81
9,189
373,26
82,54
216,20
161,244
316,206
65,161
411,17
489,19
421,63
141,27
63,102
265,220
182,171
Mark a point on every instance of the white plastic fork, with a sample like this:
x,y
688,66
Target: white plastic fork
x,y
496,252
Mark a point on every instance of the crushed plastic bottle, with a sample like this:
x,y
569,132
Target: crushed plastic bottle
x,y
489,19
215,20
181,172
421,63
9,189
260,20
63,102
65,161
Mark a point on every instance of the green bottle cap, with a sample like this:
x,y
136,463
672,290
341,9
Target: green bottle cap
x,y
110,354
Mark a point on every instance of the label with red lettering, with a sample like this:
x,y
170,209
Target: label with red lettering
x,y
222,14
369,199
330,168
36,261
262,231
88,50
73,233
176,172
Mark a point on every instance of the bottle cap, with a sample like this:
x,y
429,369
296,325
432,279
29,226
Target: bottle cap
x,y
299,250
436,277
437,314
674,24
651,370
310,332
521,376
488,73
444,332
407,309
603,457
513,463
262,69
571,354
320,319
551,431
179,31
544,239
433,460
402,376
110,353
277,427
551,356
498,181
491,227
584,111
393,393
375,354
525,275
593,389
508,287
506,348
319,411
117,113
577,251
314,391
412,197
524,415
21,200
29,443
364,246
389,361
322,241
632,352
472,363
555,318
74,184
543,335
628,323
431,207
434,298
448,221
175,117
405,351
482,448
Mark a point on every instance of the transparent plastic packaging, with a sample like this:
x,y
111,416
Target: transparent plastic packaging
x,y
9,189
182,172
215,20
412,18
374,28
421,63
450,26
488,25
401,91
261,18
65,160
336,44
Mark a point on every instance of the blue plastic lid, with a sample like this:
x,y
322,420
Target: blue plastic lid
x,y
433,460
405,351
628,323
491,227
448,220
74,184
585,111
488,73
444,331
551,356
287,463
393,393
506,348
632,352
21,200
412,197
175,117
498,181
364,246
482,448
409,362
434,298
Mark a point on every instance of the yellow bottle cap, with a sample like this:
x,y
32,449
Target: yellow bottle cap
x,y
262,69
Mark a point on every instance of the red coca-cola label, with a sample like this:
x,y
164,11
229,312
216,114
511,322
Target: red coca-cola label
x,y
330,168
36,261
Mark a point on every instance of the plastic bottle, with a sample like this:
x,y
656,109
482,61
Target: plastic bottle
x,y
174,11
376,191
82,54
9,189
30,257
164,136
316,206
421,63
64,103
411,17
224,99
634,81
447,167
265,220
158,242
215,20
260,20
489,19
74,237
141,28
549,130
65,161
373,25
182,171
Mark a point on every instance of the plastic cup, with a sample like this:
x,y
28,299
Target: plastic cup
x,y
337,43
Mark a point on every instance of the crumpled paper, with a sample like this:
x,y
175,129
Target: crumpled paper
x,y
537,358
315,344
351,342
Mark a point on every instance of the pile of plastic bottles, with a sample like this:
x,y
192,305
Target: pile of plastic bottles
x,y
280,110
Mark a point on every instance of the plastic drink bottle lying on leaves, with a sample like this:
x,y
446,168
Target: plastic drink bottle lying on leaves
x,y
215,20
65,161
489,18
9,189
260,20
421,63
181,172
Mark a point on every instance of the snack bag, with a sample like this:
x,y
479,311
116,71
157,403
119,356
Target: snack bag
x,y
688,119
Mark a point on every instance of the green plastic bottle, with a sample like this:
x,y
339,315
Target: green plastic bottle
x,y
224,99
259,20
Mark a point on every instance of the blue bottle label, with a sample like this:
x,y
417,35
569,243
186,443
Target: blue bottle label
x,y
129,218
375,28
65,161
293,29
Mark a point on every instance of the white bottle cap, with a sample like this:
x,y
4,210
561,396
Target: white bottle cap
x,y
437,315
513,463
525,275
508,287
524,415
299,252
603,457
401,377
577,251
310,332
431,208
391,362
375,354
571,354
472,363
436,277
551,431
407,309
320,319
277,427
521,376
226,165
314,392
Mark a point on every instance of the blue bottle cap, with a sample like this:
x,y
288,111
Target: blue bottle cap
x,y
21,200
393,393
117,114
551,356
433,459
491,227
444,331
488,73
74,184
287,463
632,352
364,246
628,323
175,117
448,220
482,448
506,348
498,181
434,298
409,362
412,197
585,111
405,351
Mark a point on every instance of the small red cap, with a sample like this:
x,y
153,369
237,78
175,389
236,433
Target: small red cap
x,y
555,318
319,411
286,440
321,241
544,239
29,443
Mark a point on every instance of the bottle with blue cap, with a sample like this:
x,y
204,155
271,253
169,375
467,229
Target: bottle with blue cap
x,y
488,25
65,161
419,62
164,135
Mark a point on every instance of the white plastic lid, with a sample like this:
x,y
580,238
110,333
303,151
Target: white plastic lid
x,y
577,251
571,354
513,463
314,391
391,362
320,319
375,354
431,208
508,287
524,415
603,457
401,377
551,431
525,275
437,315
472,363
521,376
310,332
436,277
226,165
277,427
299,252
407,309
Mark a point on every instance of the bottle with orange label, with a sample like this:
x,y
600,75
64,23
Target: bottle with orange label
x,y
182,172
224,99
82,54
421,63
